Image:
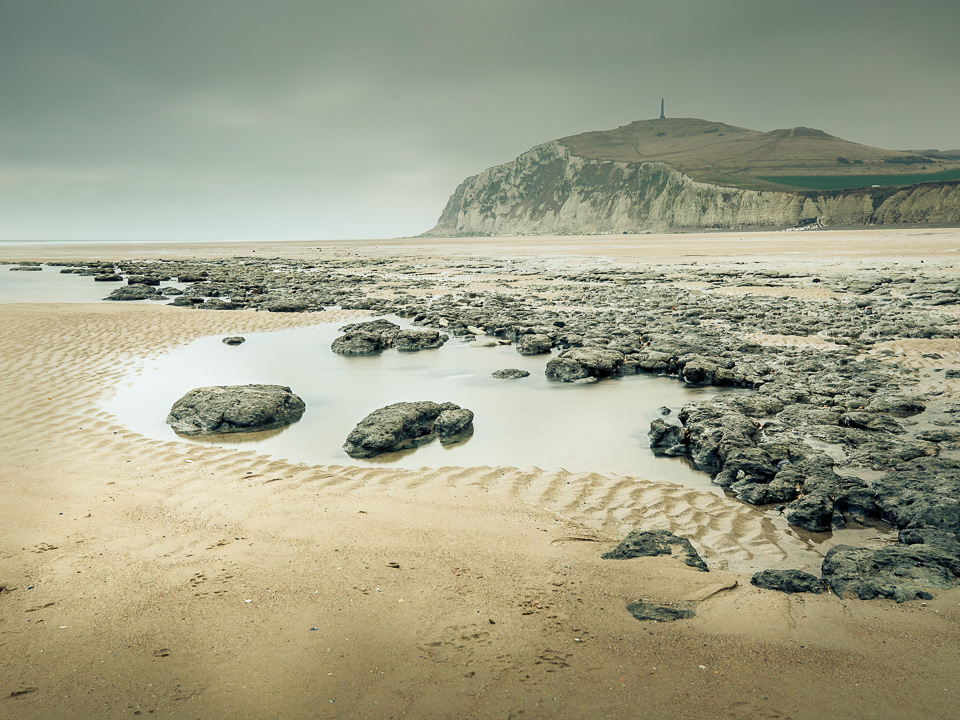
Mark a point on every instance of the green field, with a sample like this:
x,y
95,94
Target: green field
x,y
847,182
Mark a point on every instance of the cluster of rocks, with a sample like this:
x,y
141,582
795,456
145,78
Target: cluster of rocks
x,y
834,432
375,336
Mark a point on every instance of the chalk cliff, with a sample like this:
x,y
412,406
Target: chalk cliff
x,y
548,190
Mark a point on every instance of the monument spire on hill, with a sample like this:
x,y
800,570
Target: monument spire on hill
x,y
662,116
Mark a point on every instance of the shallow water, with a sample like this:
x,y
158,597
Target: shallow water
x,y
600,427
49,285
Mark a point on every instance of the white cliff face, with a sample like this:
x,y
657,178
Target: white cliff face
x,y
548,191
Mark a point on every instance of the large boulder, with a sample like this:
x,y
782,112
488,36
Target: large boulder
x,y
788,581
584,362
134,292
234,409
407,424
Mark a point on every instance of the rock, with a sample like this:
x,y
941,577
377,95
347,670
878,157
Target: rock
x,y
813,512
143,280
453,423
285,306
108,277
649,543
788,581
234,340
901,572
381,327
403,425
134,292
484,343
658,613
414,340
584,362
534,344
26,268
189,277
235,409
359,343
509,374
871,421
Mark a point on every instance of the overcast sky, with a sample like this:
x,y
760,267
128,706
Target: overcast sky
x,y
298,119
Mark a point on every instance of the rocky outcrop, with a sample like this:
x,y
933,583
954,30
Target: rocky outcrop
x,y
548,191
235,408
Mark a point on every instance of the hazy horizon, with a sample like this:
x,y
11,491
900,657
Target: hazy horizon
x,y
239,120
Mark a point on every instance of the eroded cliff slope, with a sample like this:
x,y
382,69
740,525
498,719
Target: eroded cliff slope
x,y
550,190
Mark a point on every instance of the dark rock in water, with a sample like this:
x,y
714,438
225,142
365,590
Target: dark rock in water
x,y
584,362
26,268
648,543
134,292
901,571
535,344
359,343
217,304
813,512
234,409
185,301
658,613
108,277
143,280
452,424
509,374
382,327
234,340
664,436
403,425
189,277
414,340
788,581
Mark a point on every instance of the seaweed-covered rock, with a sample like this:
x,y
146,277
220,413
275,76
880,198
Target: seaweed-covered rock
x,y
403,425
234,409
648,543
788,581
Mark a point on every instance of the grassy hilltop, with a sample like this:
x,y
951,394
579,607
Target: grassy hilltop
x,y
784,160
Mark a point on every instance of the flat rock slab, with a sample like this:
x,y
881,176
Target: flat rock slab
x,y
407,424
658,613
655,542
788,581
235,409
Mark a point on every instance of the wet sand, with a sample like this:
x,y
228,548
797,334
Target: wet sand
x,y
177,580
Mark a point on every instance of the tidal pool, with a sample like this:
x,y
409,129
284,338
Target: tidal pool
x,y
599,427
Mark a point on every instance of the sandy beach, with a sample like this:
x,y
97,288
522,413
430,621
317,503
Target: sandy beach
x,y
168,579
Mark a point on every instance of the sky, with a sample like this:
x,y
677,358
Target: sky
x,y
309,119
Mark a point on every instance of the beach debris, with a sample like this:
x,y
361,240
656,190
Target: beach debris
x,y
642,610
788,581
649,543
234,340
234,409
408,424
